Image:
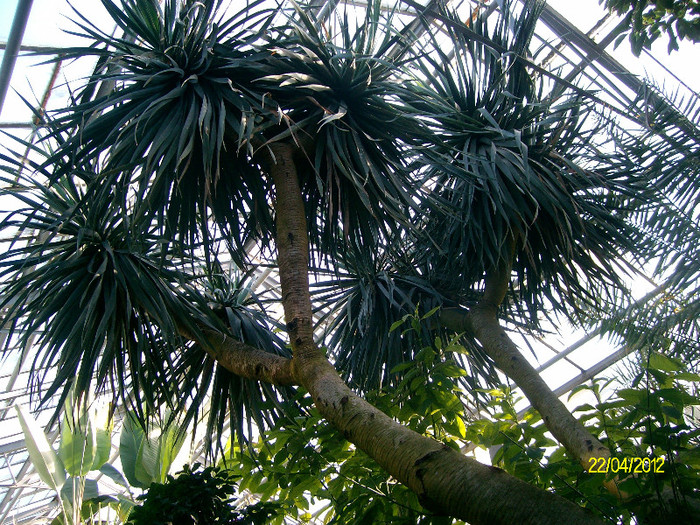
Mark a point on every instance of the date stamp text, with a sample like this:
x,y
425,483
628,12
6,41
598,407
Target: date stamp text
x,y
633,465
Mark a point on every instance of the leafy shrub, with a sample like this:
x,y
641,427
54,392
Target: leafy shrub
x,y
198,496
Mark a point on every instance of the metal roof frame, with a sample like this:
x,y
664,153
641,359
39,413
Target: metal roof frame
x,y
17,504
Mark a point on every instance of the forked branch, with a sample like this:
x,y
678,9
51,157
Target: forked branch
x,y
444,480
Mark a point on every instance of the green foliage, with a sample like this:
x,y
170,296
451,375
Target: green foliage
x,y
370,294
85,443
84,447
98,282
125,183
649,19
197,496
421,172
86,437
654,417
230,399
185,68
300,469
338,91
45,460
116,307
301,465
519,171
147,457
668,236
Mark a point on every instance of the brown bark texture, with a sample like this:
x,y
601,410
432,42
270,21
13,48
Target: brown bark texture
x,y
482,322
445,481
245,360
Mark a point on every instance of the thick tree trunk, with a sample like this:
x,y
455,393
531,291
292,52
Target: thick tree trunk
x,y
444,480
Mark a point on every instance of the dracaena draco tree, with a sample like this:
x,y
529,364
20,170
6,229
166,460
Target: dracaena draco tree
x,y
399,172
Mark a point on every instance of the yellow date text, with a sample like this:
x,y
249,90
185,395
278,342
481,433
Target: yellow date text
x,y
633,465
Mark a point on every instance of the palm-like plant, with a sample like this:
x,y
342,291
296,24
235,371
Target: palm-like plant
x,y
180,120
338,95
668,230
95,282
522,175
410,181
150,178
114,312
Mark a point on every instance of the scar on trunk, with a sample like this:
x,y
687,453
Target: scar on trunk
x,y
424,458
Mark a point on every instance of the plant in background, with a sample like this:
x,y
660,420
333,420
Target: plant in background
x,y
201,496
147,456
301,465
649,19
655,417
84,448
650,426
82,456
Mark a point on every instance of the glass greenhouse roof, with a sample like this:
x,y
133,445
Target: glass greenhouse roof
x,y
572,37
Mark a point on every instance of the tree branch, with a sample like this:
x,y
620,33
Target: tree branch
x,y
444,480
482,321
243,359
292,251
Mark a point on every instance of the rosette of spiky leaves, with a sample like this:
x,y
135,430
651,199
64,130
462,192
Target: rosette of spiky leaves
x,y
518,174
174,114
91,286
336,86
362,305
241,313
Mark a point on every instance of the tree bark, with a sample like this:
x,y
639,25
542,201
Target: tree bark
x,y
482,321
243,359
445,481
